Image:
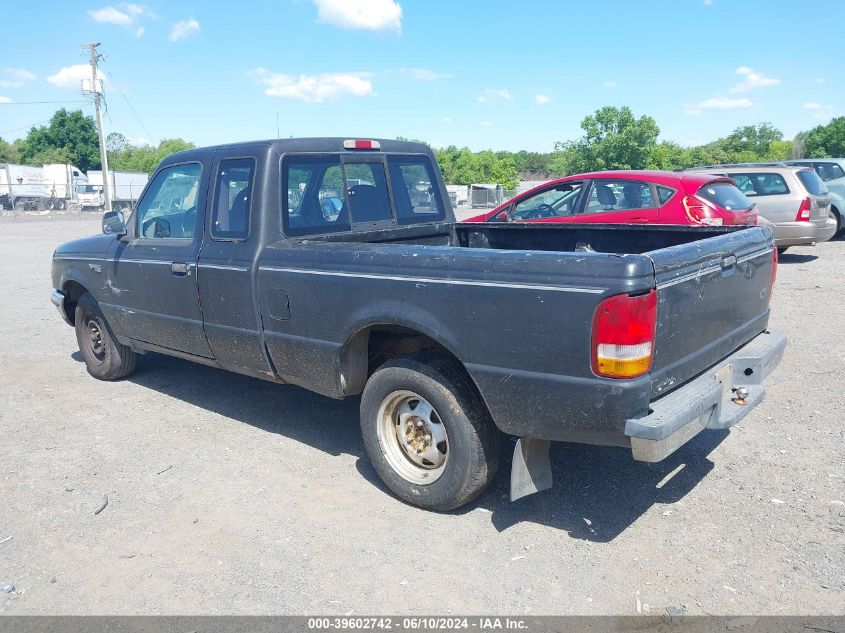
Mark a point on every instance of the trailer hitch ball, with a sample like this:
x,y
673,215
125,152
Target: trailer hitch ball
x,y
741,397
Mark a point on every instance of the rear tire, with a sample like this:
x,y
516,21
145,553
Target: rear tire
x,y
834,213
105,357
423,420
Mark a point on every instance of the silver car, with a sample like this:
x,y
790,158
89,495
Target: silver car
x,y
832,173
791,199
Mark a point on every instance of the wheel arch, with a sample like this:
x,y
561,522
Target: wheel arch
x,y
374,343
72,290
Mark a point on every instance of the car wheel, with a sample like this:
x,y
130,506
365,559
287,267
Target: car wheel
x,y
105,357
834,213
427,432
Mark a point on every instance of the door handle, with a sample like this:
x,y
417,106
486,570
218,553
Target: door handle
x,y
180,269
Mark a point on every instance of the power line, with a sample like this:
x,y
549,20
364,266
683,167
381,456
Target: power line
x,y
131,108
39,102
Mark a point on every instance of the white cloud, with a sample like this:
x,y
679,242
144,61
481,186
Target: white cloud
x,y
610,83
542,99
485,123
718,103
73,76
424,74
5,100
821,80
820,110
125,15
490,95
15,77
448,120
313,88
707,3
184,29
753,80
371,15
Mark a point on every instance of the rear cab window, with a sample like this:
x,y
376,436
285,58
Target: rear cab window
x,y
725,195
812,183
327,194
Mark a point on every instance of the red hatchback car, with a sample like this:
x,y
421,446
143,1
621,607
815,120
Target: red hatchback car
x,y
630,197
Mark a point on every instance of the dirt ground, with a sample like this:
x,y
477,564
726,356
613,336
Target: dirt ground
x,y
229,495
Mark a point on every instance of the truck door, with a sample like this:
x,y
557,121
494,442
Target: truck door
x,y
227,262
153,276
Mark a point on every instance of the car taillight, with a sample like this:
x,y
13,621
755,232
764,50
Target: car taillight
x,y
701,212
804,210
623,335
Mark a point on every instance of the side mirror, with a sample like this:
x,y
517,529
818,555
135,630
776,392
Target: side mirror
x,y
113,222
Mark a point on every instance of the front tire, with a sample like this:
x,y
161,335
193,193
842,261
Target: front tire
x,y
427,431
105,357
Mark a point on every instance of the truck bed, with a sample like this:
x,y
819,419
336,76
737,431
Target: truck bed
x,y
527,345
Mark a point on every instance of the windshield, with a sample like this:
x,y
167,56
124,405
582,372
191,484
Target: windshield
x,y
725,196
87,188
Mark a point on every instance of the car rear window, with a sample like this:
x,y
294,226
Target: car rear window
x,y
812,183
725,196
760,184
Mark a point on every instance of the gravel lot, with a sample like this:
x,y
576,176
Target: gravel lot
x,y
231,495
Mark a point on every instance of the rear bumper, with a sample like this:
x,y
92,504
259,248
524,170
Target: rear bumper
x,y
708,402
57,298
798,233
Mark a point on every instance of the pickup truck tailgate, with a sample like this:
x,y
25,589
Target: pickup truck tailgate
x,y
713,296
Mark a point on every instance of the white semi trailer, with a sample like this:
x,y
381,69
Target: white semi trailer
x,y
125,188
45,188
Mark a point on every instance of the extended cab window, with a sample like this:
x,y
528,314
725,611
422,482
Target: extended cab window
x,y
232,198
315,195
414,191
829,171
169,207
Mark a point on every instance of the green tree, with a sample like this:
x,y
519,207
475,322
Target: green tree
x,y
9,152
145,157
70,136
826,140
613,139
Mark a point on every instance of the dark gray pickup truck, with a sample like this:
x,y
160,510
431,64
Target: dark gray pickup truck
x,y
336,265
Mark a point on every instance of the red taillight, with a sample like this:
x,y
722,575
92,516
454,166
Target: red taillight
x,y
701,211
804,210
623,335
357,143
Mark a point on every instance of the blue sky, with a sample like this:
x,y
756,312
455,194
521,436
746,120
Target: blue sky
x,y
500,75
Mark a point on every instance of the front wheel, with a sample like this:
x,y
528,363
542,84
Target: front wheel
x,y
427,432
105,357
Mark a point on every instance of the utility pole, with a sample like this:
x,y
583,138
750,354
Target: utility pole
x,y
96,91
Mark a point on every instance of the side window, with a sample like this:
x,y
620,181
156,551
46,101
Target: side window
x,y
414,193
619,195
232,199
561,200
762,184
315,201
169,207
829,171
664,194
366,192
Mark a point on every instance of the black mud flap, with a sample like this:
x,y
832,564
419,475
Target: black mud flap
x,y
531,470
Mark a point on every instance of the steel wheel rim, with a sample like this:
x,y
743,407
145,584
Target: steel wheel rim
x,y
412,437
96,342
